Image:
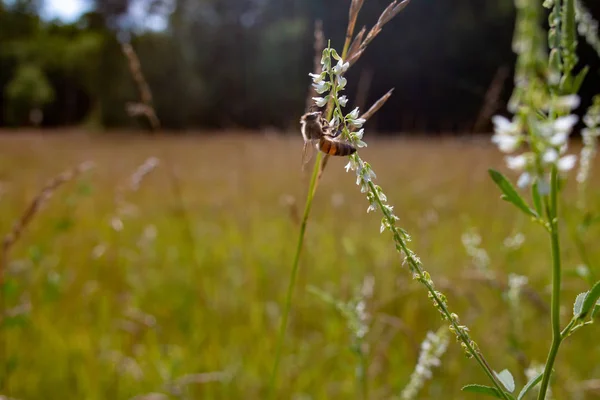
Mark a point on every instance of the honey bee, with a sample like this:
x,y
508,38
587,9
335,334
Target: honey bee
x,y
316,128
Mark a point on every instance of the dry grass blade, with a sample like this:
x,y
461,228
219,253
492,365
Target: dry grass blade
x,y
354,47
319,45
145,107
377,105
355,7
492,99
386,16
391,11
31,211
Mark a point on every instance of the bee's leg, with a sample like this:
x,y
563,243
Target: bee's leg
x,y
335,133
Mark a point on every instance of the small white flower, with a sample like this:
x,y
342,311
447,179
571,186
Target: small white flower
x,y
565,124
341,81
353,114
321,87
348,166
358,122
317,78
570,102
335,121
524,180
516,162
506,143
341,67
566,163
559,139
343,101
503,125
321,101
550,156
359,134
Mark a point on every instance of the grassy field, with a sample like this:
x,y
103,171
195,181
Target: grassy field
x,y
177,287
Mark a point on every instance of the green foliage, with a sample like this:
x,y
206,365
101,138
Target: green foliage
x,y
510,194
29,89
144,307
530,385
485,390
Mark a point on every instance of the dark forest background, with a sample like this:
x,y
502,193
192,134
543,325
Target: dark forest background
x,y
245,63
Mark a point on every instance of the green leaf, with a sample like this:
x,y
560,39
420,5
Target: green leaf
x,y
578,305
578,79
510,194
506,378
537,200
482,389
590,300
588,220
530,385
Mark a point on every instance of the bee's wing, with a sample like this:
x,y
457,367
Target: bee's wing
x,y
307,153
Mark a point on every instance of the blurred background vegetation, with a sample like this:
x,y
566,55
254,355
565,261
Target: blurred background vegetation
x,y
160,274
244,63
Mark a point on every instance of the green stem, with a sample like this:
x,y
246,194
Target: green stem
x,y
294,274
556,281
458,330
364,383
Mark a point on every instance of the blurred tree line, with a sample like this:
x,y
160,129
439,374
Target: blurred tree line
x,y
244,63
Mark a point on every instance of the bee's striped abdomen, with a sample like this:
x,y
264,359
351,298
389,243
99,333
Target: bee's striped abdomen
x,y
335,148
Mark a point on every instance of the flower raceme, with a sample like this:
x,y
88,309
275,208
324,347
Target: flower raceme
x,y
547,141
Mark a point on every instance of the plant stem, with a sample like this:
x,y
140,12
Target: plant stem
x,y
458,330
364,382
295,267
556,281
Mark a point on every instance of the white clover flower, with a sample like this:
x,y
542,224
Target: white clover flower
x,y
341,81
524,180
335,121
317,78
565,124
432,348
321,87
517,163
353,114
343,100
559,139
569,102
550,156
321,101
591,120
504,126
566,163
506,143
341,67
359,122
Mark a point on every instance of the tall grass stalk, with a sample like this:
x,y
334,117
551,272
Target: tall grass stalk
x,y
13,236
352,50
146,109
